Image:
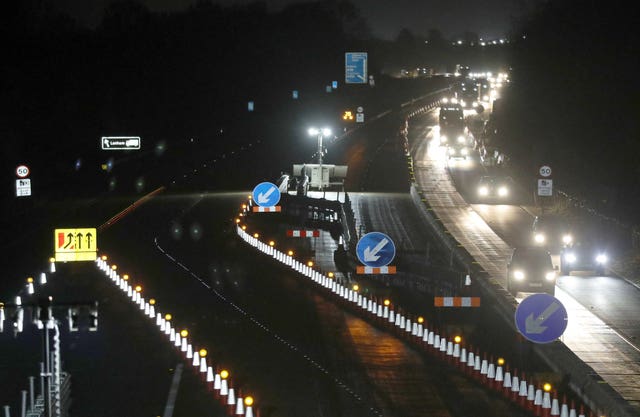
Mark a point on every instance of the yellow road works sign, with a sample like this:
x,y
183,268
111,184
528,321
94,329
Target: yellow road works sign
x,y
76,244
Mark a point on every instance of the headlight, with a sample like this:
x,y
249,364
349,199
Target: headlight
x,y
452,151
518,275
485,97
445,100
443,138
454,100
483,190
550,276
602,258
463,103
475,104
461,139
503,191
567,239
570,257
464,151
539,238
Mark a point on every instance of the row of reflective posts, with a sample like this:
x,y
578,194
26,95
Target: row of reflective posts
x,y
18,326
219,382
537,399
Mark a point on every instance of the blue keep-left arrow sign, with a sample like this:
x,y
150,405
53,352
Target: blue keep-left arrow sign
x,y
375,249
266,194
541,318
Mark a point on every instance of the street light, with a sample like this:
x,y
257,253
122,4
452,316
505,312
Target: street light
x,y
320,133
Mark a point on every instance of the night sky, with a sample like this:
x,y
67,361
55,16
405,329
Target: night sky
x,y
488,18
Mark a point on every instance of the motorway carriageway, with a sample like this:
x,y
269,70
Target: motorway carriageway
x,y
616,359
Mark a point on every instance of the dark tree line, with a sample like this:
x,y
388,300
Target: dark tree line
x,y
172,76
575,101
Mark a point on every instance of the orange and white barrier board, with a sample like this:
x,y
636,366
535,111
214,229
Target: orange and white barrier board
x,y
260,209
375,270
456,301
303,233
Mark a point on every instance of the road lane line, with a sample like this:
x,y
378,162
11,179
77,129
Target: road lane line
x,y
173,391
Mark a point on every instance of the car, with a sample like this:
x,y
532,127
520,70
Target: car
x,y
495,187
448,137
552,231
530,270
458,150
585,255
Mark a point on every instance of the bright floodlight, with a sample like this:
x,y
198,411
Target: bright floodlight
x,y
315,132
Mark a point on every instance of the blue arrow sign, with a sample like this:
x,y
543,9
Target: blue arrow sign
x,y
266,194
541,318
355,68
375,249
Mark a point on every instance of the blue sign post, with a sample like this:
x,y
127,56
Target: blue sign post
x,y
355,68
541,318
375,249
266,194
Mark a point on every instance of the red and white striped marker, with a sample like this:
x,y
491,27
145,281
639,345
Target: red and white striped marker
x,y
456,301
272,209
303,233
369,270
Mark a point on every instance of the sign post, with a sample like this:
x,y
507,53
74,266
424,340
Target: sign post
x,y
23,184
544,185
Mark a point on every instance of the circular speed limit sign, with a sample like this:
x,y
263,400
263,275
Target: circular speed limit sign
x,y
545,171
22,171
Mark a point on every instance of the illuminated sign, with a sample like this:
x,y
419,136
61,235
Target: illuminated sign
x,y
22,171
75,244
23,187
355,67
118,143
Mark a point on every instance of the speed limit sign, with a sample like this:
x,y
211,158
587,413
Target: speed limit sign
x,y
22,171
545,171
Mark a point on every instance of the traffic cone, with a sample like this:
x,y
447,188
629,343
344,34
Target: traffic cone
x,y
515,387
522,394
491,374
506,384
477,366
470,362
555,405
537,402
239,406
531,397
564,407
546,404
231,401
484,367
